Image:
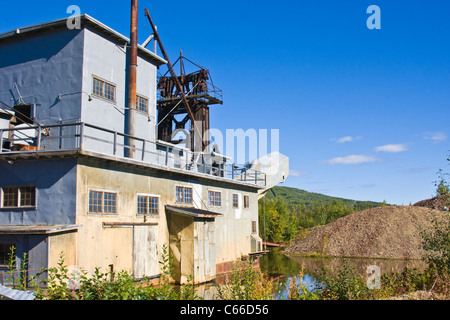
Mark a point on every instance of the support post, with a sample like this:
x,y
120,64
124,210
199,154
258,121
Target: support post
x,y
132,77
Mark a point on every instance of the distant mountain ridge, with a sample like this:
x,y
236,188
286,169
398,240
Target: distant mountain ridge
x,y
295,197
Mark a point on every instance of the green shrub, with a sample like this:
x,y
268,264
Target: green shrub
x,y
246,283
63,285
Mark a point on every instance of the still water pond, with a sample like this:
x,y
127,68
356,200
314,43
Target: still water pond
x,y
282,269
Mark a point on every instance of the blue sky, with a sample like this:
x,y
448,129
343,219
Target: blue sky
x,y
363,114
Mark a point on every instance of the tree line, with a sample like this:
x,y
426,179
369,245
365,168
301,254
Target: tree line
x,y
280,220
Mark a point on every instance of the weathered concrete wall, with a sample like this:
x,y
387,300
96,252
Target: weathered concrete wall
x,y
62,243
99,246
233,228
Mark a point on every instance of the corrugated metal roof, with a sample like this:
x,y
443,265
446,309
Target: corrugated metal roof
x,y
13,294
193,212
37,229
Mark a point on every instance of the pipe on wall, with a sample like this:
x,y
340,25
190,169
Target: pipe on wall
x,y
132,79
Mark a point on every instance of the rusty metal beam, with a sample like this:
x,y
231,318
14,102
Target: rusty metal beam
x,y
174,75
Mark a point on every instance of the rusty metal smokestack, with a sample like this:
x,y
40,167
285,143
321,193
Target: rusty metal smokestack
x,y
132,76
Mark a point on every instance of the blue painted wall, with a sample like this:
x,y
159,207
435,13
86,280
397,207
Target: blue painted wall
x,y
55,182
34,246
44,65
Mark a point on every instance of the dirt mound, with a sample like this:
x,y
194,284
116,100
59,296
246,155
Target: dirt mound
x,y
383,232
438,203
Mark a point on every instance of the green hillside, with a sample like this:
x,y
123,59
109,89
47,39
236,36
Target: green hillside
x,y
284,212
295,197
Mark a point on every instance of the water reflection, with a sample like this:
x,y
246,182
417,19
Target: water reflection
x,y
282,269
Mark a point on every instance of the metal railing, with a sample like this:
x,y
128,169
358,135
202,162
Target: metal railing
x,y
23,278
209,90
83,136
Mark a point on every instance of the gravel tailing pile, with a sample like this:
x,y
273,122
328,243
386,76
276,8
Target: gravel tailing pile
x,y
382,232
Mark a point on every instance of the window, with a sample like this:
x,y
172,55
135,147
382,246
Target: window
x,y
246,201
5,252
214,198
109,202
188,195
142,104
103,89
235,201
27,196
183,194
254,226
102,202
179,194
23,113
153,205
14,197
142,205
95,201
148,204
10,196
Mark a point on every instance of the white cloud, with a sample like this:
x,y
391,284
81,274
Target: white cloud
x,y
352,159
435,136
297,173
392,148
346,139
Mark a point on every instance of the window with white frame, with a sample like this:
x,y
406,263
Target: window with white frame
x,y
18,196
104,89
147,204
141,104
102,202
